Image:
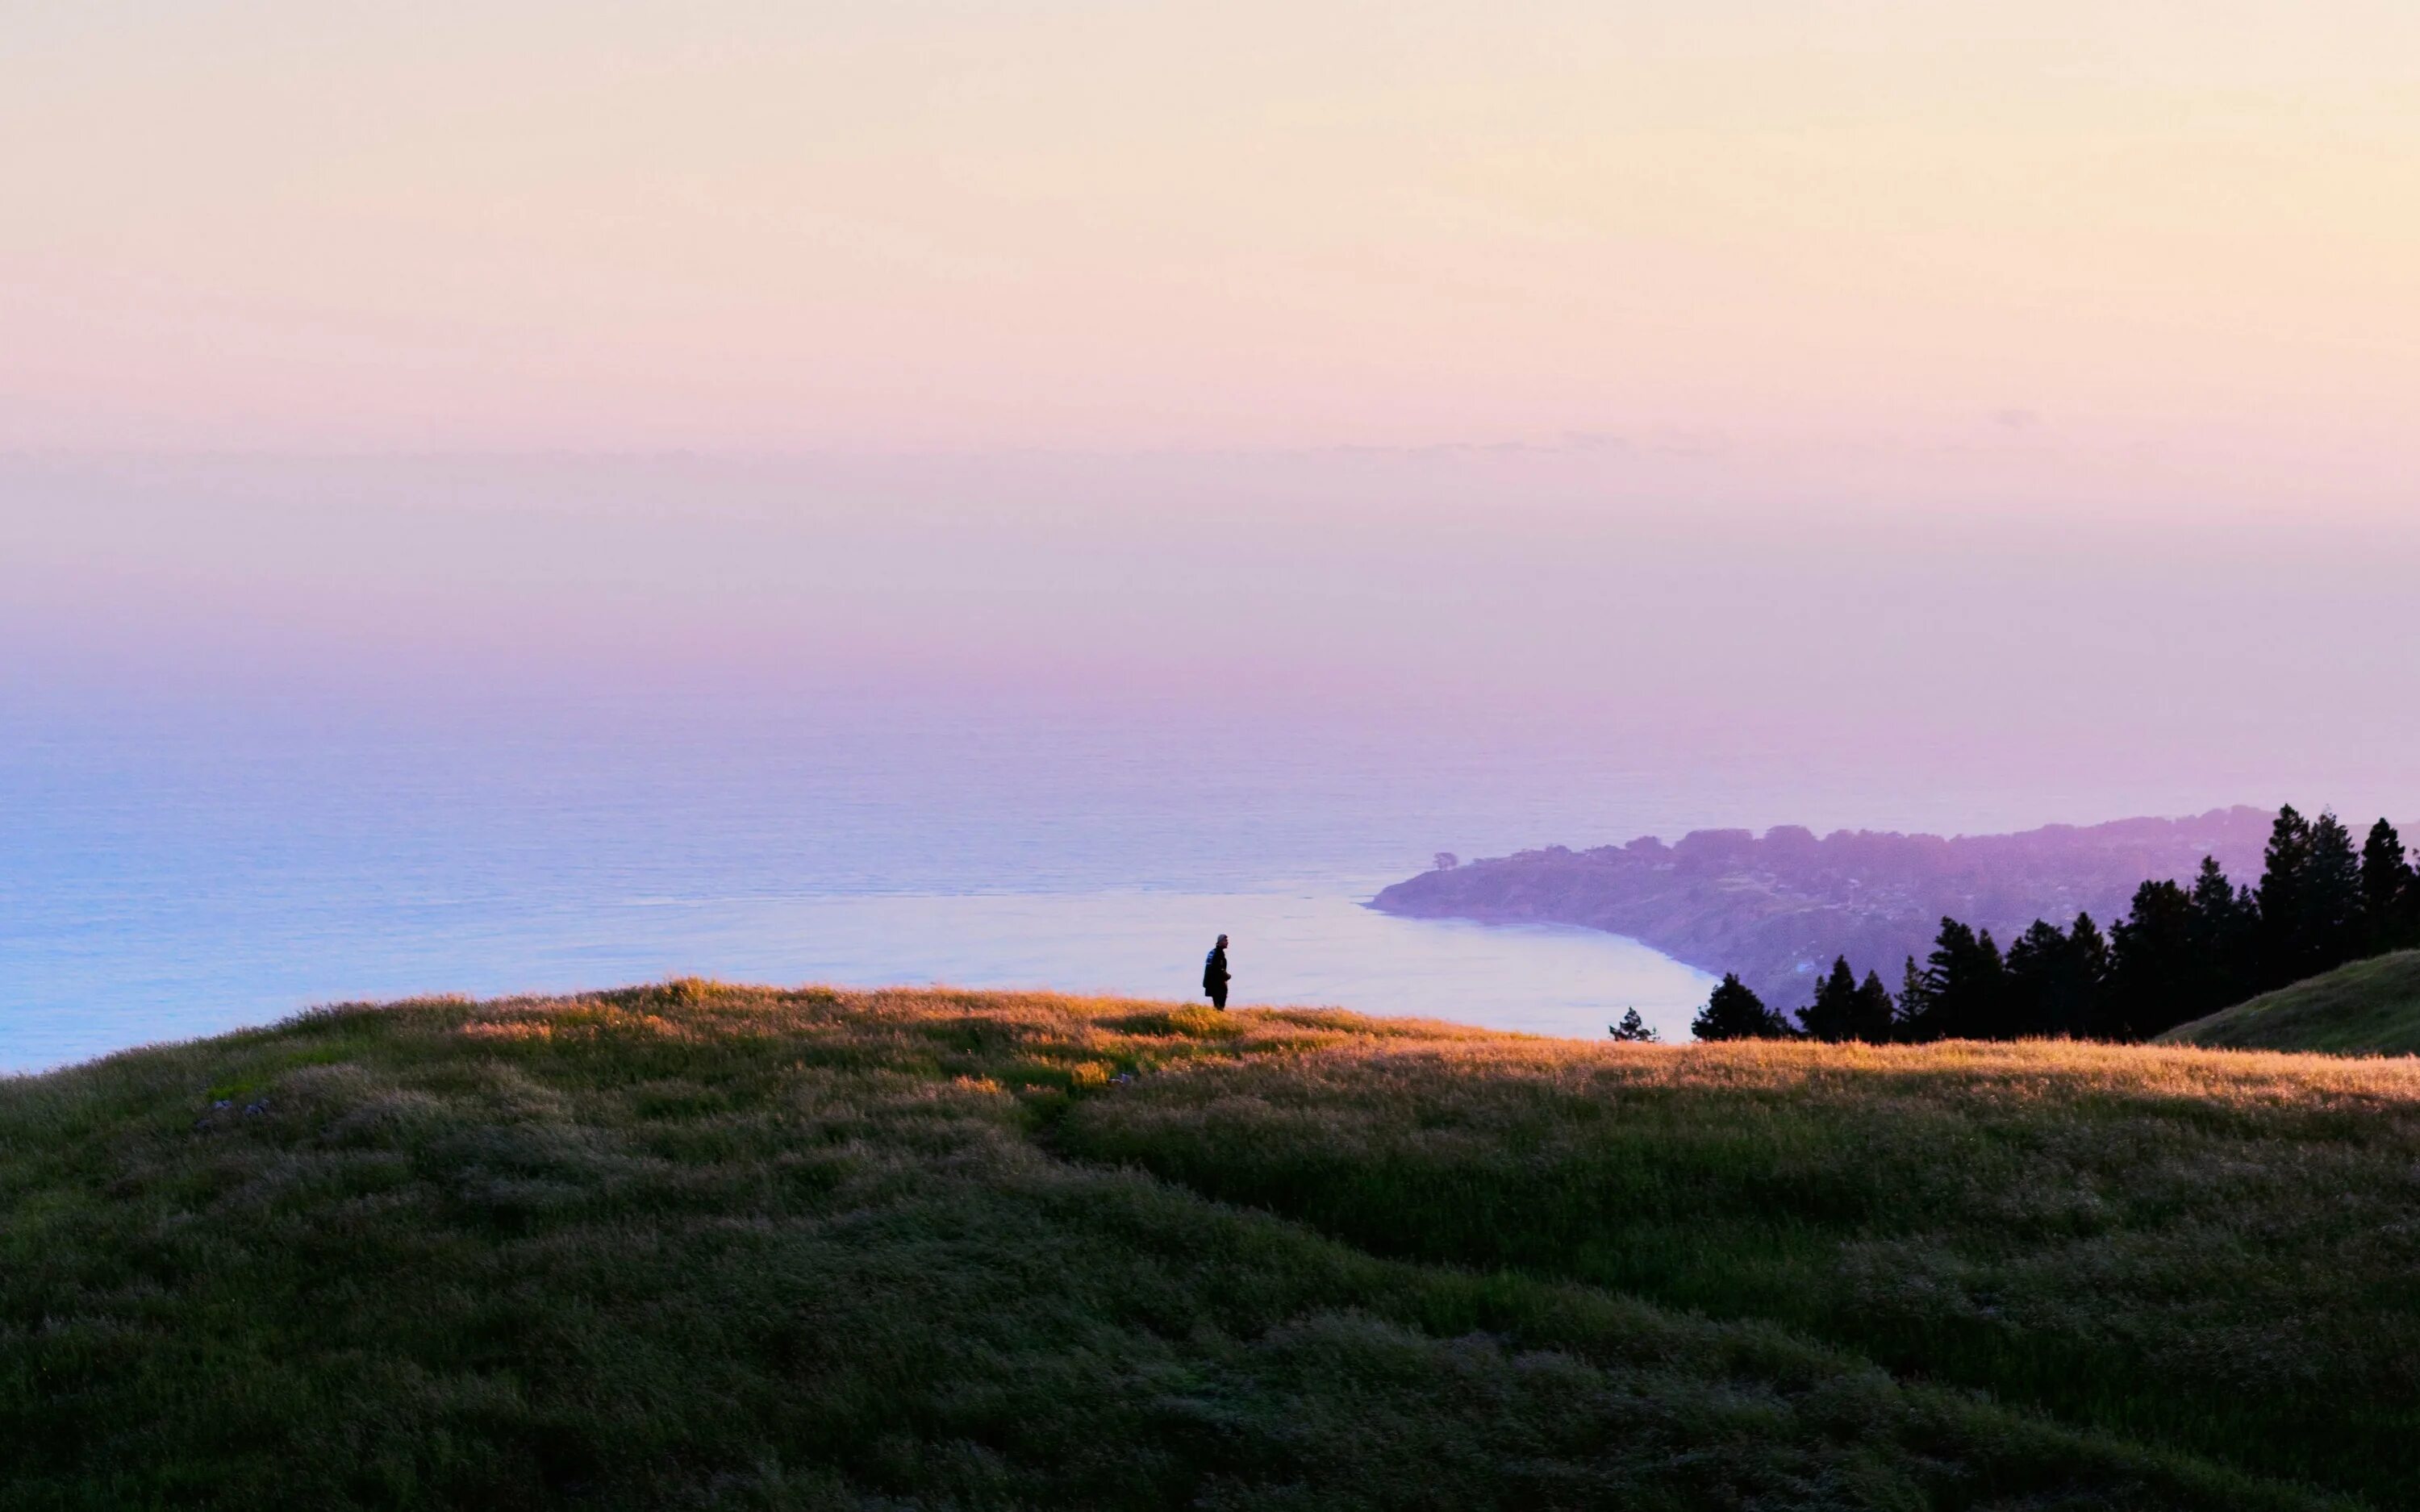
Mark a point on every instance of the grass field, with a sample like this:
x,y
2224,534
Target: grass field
x,y
2368,1007
704,1246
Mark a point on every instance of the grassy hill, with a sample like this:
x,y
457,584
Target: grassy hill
x,y
2368,1007
705,1246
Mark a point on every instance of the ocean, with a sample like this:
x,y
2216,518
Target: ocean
x,y
162,878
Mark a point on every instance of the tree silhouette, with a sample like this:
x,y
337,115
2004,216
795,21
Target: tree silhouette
x,y
2387,890
2152,964
2333,929
1965,987
1915,1002
2088,958
1734,1012
2056,978
1876,1016
2223,929
2036,964
1833,1016
2284,901
1632,1028
2178,954
1844,1009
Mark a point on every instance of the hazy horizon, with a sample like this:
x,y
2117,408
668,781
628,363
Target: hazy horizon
x,y
569,457
1996,668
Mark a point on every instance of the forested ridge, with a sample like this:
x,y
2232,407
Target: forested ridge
x,y
2181,951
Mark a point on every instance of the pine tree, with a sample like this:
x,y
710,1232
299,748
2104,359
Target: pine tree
x,y
2333,929
2070,976
2387,890
1989,990
1736,1012
1876,1016
2057,978
1833,1015
2152,964
2037,972
2285,907
2223,927
1949,973
1965,985
1632,1029
2088,952
1915,1003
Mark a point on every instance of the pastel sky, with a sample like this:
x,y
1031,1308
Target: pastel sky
x,y
2116,235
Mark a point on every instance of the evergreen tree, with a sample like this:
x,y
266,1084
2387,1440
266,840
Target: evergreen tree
x,y
1966,984
2223,967
2333,930
1736,1012
2152,966
1833,1015
1876,1016
2092,956
1632,1029
2057,979
1987,990
2285,907
2388,889
2090,961
1915,1003
2038,969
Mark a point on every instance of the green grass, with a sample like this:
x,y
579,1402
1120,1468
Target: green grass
x,y
716,1247
2368,1007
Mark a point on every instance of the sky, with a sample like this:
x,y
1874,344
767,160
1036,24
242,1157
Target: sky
x,y
2146,255
2011,400
1372,613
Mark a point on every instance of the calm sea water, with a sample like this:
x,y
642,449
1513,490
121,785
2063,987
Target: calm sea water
x,y
166,877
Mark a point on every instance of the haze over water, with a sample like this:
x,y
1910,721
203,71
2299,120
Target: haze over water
x,y
165,890
287,732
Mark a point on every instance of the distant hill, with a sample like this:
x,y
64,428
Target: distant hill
x,y
2368,1007
1778,909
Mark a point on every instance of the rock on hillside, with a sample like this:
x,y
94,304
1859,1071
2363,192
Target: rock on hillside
x,y
1778,909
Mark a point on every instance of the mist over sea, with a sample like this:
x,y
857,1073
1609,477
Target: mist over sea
x,y
280,734
164,882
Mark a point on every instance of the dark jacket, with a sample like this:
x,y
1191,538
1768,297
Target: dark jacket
x,y
1214,969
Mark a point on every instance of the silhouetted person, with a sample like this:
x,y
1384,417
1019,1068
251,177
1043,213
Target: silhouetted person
x,y
1213,974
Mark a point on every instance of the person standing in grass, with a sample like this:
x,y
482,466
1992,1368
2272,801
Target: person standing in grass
x,y
1213,974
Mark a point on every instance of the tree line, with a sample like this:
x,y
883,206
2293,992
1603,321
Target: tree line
x,y
2182,950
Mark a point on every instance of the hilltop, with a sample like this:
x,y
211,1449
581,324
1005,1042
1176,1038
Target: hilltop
x,y
2367,1007
698,1245
1778,909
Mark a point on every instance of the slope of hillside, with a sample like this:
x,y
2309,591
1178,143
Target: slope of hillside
x,y
1779,908
705,1246
2367,1007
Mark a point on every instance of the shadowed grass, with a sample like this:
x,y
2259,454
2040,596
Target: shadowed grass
x,y
701,1246
2367,1007
2208,1251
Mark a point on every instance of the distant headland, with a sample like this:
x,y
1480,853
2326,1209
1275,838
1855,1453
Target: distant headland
x,y
1776,909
